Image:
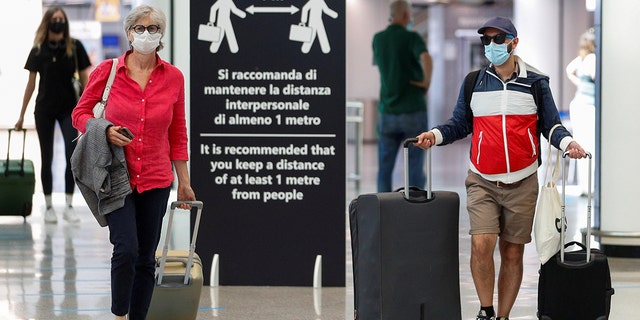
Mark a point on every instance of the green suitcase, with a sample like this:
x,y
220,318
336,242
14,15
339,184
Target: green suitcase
x,y
178,277
17,183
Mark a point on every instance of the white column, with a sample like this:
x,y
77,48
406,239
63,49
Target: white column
x,y
619,120
364,19
13,76
538,25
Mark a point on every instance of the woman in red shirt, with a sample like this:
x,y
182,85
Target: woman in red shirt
x,y
147,97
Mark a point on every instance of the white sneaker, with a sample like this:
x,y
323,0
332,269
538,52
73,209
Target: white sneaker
x,y
70,215
50,216
482,315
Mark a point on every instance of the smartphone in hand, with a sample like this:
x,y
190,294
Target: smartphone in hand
x,y
126,132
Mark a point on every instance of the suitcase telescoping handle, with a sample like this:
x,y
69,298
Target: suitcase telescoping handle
x,y
563,218
192,246
24,143
407,143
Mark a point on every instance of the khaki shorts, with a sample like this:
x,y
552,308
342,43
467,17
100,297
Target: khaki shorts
x,y
504,210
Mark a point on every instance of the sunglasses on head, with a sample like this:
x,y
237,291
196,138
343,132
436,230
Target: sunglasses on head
x,y
497,39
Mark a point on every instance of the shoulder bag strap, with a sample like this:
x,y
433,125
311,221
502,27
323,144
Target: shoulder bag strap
x,y
552,170
99,112
112,75
75,57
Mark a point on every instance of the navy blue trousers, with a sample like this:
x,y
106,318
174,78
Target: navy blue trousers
x,y
134,231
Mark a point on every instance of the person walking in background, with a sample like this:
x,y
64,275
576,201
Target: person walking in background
x,y
582,110
147,97
505,117
55,56
405,74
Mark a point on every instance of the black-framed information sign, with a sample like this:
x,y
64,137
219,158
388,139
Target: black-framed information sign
x,y
268,138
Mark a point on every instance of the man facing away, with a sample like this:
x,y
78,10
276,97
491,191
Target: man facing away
x,y
511,105
405,74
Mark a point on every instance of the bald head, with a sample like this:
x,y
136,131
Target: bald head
x,y
400,12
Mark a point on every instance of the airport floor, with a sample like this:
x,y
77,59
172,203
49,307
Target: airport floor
x,y
61,271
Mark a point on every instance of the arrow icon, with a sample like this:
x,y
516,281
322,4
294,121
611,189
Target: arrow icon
x,y
253,9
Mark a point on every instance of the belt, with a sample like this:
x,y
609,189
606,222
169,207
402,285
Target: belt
x,y
507,185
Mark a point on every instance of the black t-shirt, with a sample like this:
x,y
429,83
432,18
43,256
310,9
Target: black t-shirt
x,y
55,91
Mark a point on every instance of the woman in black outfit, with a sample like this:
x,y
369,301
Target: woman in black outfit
x,y
56,57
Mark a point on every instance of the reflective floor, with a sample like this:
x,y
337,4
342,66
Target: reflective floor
x,y
61,271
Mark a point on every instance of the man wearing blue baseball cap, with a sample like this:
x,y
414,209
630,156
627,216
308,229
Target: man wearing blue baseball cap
x,y
505,106
496,50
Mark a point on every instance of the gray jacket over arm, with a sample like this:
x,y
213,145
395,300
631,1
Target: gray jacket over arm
x,y
100,170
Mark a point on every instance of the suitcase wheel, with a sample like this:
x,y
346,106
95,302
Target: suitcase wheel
x,y
26,210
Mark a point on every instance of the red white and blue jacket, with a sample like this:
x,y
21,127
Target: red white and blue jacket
x,y
505,120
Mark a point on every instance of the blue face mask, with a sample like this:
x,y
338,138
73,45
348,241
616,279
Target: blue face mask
x,y
410,25
497,54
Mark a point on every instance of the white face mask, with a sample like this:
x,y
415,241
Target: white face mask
x,y
146,43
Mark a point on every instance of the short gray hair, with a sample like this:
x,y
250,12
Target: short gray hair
x,y
399,7
156,15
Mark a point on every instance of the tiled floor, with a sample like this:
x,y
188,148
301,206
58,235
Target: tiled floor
x,y
62,271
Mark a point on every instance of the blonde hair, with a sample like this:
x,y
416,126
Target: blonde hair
x,y
42,33
588,41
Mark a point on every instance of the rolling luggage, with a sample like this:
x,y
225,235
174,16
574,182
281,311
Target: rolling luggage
x,y
574,284
17,182
405,252
179,276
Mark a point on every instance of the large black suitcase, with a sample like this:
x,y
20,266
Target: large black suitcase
x,y
405,253
17,182
575,285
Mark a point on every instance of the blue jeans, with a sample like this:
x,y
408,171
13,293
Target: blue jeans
x,y
393,129
134,231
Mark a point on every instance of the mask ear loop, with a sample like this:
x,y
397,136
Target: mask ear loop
x,y
511,42
510,52
130,41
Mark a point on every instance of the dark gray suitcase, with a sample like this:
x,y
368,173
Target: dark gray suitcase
x,y
575,285
405,253
17,182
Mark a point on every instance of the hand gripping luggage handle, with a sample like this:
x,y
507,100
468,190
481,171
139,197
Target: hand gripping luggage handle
x,y
407,143
192,246
563,218
24,144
